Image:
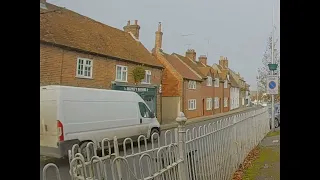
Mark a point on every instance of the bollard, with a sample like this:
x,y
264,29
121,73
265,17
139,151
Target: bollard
x,y
182,166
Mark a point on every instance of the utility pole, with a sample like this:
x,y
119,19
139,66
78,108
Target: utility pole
x,y
272,72
257,99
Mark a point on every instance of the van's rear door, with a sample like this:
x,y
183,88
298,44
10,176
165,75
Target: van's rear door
x,y
48,117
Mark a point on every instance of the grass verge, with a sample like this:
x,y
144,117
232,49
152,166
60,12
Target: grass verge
x,y
265,166
275,133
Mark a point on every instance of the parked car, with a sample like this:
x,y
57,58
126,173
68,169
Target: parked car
x,y
75,115
276,115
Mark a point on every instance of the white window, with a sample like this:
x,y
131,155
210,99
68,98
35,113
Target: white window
x,y
192,85
84,68
147,77
216,82
121,73
192,104
209,81
216,103
225,84
225,104
242,101
209,103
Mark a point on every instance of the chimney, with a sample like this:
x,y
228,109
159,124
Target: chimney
x,y
223,62
191,53
203,59
158,43
134,28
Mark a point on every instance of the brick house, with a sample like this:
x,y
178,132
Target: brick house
x,y
247,87
181,86
242,90
207,89
218,89
78,51
234,91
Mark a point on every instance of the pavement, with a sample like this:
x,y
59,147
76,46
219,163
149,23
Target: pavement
x,y
267,164
63,164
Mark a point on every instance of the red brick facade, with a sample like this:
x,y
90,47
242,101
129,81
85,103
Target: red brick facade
x,y
58,66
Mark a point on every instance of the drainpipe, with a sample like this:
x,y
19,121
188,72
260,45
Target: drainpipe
x,y
161,96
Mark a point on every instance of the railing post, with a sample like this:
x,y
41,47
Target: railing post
x,y
182,166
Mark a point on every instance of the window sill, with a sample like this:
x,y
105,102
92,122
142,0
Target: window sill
x,y
145,83
209,109
83,77
191,109
120,81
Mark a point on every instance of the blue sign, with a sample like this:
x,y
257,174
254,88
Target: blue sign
x,y
272,84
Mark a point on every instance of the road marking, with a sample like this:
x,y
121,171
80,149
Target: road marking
x,y
275,141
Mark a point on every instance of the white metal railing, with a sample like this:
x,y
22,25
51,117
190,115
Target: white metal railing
x,y
212,151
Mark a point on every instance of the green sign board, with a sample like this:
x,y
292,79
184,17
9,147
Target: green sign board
x,y
142,91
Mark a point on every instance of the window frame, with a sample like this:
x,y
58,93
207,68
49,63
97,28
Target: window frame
x,y
208,104
147,73
120,80
192,84
85,60
209,81
216,103
194,102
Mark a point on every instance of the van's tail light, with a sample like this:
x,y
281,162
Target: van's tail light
x,y
60,130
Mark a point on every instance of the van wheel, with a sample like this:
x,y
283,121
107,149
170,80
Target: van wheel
x,y
154,130
83,147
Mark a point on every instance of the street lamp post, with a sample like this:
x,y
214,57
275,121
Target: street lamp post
x,y
272,68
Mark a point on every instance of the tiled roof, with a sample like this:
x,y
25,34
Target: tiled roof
x,y
180,67
235,78
204,70
64,27
192,64
216,67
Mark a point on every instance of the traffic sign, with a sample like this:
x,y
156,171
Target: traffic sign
x,y
272,84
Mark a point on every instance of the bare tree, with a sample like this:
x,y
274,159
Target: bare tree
x,y
264,71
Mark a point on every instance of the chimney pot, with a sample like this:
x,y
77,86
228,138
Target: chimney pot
x,y
134,28
191,53
203,59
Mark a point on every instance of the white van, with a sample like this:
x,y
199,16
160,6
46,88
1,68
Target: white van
x,y
74,115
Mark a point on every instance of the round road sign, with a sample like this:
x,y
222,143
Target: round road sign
x,y
272,84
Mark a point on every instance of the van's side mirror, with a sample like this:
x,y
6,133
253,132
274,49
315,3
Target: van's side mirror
x,y
152,115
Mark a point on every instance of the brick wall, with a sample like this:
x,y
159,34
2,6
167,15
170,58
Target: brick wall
x,y
226,93
218,92
192,94
172,81
207,92
58,66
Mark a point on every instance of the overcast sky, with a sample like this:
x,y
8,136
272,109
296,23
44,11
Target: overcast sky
x,y
237,29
